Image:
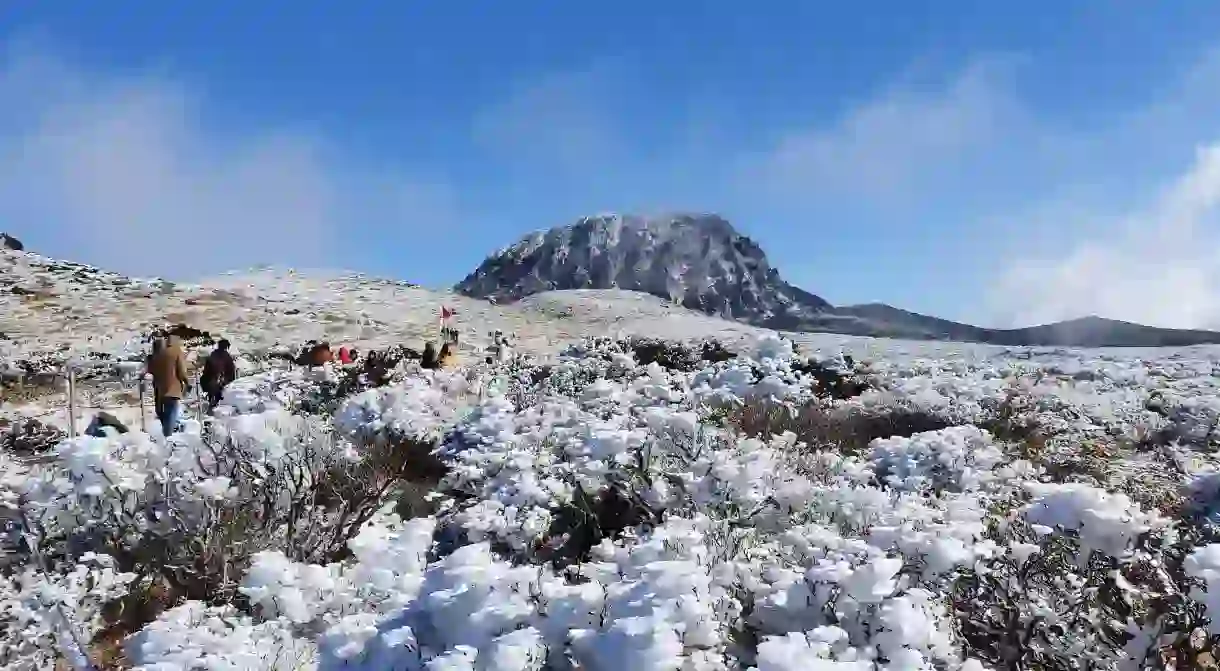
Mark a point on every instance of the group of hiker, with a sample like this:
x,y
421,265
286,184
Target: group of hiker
x,y
171,383
170,379
319,353
431,359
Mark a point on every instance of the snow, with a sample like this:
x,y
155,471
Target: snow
x,y
596,513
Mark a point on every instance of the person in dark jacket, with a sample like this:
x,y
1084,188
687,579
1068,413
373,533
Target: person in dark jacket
x,y
218,371
429,357
158,344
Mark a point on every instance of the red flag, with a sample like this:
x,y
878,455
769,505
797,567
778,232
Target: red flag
x,y
447,312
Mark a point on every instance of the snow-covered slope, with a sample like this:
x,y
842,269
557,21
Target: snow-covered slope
x,y
57,310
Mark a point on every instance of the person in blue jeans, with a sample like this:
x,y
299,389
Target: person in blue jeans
x,y
168,368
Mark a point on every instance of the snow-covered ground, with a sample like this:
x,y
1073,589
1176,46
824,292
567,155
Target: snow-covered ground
x,y
586,510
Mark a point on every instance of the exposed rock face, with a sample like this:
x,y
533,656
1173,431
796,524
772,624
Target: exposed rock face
x,y
699,261
9,242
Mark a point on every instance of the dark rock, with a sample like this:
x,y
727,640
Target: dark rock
x,y
27,437
9,242
830,381
676,356
102,420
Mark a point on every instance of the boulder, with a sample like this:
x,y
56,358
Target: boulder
x,y
102,421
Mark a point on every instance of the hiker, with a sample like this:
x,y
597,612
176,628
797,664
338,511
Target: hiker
x,y
218,371
504,351
447,359
170,382
321,355
428,360
158,344
315,354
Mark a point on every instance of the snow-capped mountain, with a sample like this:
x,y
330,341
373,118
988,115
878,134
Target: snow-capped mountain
x,y
702,262
698,261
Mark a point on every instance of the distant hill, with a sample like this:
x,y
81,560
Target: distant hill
x,y
702,262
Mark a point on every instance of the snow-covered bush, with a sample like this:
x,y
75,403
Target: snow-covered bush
x,y
846,428
52,612
187,515
634,505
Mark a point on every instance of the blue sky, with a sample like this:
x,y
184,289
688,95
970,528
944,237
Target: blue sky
x,y
994,164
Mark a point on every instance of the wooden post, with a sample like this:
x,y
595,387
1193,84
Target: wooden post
x,y
143,415
71,401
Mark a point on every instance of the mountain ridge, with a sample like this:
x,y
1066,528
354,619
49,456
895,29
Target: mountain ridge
x,y
702,262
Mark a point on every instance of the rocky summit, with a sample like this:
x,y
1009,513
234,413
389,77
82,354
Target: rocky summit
x,y
699,261
702,262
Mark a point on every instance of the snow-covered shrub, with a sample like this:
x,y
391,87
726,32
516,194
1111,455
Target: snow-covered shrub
x,y
52,612
816,424
952,459
596,513
421,407
197,636
187,515
1192,421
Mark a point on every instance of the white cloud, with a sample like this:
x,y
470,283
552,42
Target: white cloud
x,y
891,147
1160,266
1069,216
123,172
1145,245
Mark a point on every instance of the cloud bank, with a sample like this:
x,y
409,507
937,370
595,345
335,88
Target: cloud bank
x,y
1048,221
126,173
1159,266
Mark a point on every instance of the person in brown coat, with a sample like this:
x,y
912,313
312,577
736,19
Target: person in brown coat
x,y
321,355
447,359
168,368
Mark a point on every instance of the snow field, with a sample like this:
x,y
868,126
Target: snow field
x,y
595,513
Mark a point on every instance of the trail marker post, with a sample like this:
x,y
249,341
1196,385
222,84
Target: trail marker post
x,y
143,415
71,401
